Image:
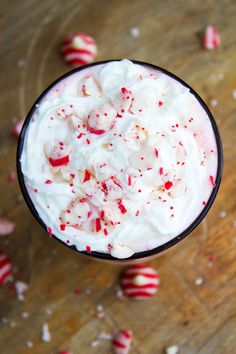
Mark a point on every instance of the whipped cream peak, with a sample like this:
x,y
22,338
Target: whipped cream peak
x,y
123,158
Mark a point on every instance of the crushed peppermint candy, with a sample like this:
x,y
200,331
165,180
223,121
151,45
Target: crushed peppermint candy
x,y
222,214
211,38
6,227
21,288
173,349
199,281
45,334
135,32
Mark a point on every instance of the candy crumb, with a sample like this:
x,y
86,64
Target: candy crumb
x,y
46,336
25,314
6,227
29,344
222,214
94,343
173,349
199,281
20,290
11,177
135,32
234,94
213,102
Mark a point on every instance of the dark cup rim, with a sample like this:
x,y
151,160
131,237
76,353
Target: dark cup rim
x,y
139,255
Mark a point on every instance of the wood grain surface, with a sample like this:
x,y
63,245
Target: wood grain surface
x,y
198,318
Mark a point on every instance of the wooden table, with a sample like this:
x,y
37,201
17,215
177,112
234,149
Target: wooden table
x,y
198,318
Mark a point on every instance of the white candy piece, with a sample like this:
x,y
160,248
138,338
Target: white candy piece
x,y
46,335
173,349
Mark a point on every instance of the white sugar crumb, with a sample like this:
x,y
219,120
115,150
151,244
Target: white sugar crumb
x,y
222,214
25,315
29,344
46,336
21,63
234,94
119,294
48,311
104,335
135,32
173,349
213,102
199,281
94,343
100,308
4,320
20,289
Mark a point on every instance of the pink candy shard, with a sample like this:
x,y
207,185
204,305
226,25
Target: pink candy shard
x,y
140,281
6,227
11,177
16,128
211,38
5,268
122,341
126,100
79,49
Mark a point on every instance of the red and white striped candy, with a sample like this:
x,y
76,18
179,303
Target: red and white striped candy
x,y
101,119
79,49
211,38
122,341
16,128
140,281
5,268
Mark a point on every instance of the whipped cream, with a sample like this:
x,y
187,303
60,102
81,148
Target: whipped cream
x,y
119,158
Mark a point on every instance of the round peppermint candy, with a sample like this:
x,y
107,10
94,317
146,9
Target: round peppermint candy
x,y
5,268
122,341
140,281
79,49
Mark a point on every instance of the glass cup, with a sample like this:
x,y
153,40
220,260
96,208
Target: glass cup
x,y
140,256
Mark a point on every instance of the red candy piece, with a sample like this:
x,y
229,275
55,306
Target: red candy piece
x,y
11,177
122,341
5,268
57,153
6,227
140,281
16,128
211,38
60,161
79,49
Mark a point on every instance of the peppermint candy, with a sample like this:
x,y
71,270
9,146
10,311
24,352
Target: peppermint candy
x,y
16,128
140,281
5,268
79,49
122,341
211,38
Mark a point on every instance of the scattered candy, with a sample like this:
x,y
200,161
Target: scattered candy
x,y
122,342
11,177
65,352
173,349
234,94
6,227
20,290
211,38
213,102
5,269
222,214
29,344
79,49
140,281
135,32
199,281
25,315
46,336
16,128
